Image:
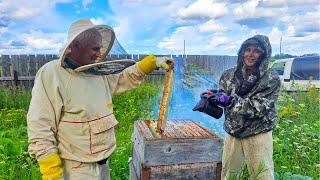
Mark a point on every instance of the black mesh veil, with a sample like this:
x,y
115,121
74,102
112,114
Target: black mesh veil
x,y
117,48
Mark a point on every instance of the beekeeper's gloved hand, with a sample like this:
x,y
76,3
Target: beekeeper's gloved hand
x,y
50,167
150,63
220,99
163,62
204,106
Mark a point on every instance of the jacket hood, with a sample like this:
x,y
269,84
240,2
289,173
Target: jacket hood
x,y
244,85
263,45
80,26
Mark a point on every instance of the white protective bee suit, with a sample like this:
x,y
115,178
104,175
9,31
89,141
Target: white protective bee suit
x,y
71,113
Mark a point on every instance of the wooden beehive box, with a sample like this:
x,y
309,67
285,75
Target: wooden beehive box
x,y
186,150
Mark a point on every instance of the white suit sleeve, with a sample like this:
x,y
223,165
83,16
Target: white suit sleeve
x,y
129,78
43,115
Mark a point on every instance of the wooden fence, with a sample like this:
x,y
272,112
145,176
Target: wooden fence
x,y
213,65
20,70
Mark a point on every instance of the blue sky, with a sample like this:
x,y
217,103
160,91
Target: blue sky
x,y
216,27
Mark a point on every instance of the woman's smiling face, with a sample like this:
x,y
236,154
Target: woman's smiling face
x,y
251,55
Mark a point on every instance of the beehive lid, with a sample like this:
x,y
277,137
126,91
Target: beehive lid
x,y
176,129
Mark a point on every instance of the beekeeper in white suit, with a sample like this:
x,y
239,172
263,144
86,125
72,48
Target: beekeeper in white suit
x,y
70,118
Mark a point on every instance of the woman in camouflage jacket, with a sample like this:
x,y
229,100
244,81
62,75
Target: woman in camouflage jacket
x,y
249,93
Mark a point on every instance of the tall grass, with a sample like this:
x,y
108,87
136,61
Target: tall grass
x,y
296,138
15,98
15,162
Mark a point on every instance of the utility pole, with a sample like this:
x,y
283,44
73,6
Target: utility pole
x,y
184,48
280,46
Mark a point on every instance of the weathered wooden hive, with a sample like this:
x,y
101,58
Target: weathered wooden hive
x,y
185,150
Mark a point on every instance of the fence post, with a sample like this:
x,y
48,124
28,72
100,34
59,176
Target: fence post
x,y
15,78
5,69
23,69
32,69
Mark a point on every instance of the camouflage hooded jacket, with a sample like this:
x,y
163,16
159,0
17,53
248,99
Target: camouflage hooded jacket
x,y
252,110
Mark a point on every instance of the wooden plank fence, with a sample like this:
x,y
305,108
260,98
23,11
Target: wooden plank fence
x,y
213,65
20,70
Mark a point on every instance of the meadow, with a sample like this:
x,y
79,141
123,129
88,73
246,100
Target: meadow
x,y
296,138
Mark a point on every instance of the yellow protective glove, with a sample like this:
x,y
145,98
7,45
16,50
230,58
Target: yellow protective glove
x,y
151,62
50,167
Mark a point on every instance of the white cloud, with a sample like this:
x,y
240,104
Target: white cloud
x,y
40,40
19,9
307,23
23,13
229,44
218,40
97,21
212,26
21,19
3,30
203,9
85,3
34,42
197,43
250,9
194,41
136,21
173,42
289,3
275,36
122,30
42,43
292,44
303,24
290,35
160,26
144,2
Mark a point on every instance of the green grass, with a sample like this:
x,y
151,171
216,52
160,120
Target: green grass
x,y
15,98
0,66
15,163
296,138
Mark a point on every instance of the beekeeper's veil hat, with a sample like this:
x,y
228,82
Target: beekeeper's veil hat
x,y
83,25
